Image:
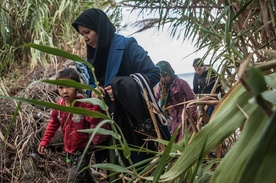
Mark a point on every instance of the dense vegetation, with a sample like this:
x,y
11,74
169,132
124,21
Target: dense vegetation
x,y
238,34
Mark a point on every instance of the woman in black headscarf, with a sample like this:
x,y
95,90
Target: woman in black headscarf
x,y
115,58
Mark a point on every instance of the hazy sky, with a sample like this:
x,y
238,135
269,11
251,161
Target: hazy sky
x,y
161,47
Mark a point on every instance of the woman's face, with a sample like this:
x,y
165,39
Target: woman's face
x,y
166,79
90,36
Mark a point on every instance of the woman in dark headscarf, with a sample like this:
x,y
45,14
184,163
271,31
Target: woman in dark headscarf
x,y
115,58
171,91
112,54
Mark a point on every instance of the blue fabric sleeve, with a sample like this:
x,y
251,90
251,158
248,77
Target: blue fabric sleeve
x,y
141,61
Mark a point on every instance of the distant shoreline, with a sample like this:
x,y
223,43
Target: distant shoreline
x,y
185,74
187,77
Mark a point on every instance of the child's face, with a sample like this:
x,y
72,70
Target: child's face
x,y
68,94
166,79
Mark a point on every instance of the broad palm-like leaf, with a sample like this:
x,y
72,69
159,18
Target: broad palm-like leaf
x,y
230,30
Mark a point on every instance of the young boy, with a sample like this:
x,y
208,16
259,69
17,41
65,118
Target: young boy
x,y
74,141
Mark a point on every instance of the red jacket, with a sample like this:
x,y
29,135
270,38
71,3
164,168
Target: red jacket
x,y
70,123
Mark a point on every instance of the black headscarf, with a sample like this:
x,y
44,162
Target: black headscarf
x,y
98,21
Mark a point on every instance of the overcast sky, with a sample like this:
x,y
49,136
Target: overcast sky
x,y
161,47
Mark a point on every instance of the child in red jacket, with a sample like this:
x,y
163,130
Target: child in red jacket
x,y
74,141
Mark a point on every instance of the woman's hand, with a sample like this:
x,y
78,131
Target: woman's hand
x,y
109,91
94,95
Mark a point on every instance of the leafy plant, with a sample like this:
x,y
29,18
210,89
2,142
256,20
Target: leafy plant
x,y
240,37
185,163
35,21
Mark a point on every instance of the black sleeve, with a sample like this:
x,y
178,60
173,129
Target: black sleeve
x,y
195,84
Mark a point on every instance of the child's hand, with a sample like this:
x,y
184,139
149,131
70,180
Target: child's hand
x,y
41,149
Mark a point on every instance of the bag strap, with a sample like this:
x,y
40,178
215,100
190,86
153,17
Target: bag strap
x,y
143,81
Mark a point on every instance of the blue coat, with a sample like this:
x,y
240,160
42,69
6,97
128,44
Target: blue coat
x,y
126,57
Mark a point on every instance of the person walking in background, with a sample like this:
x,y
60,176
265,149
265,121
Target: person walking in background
x,y
171,91
202,84
74,141
115,58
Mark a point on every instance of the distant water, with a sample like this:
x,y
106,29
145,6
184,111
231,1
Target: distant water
x,y
187,77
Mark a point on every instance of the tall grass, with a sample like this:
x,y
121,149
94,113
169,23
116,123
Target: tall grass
x,y
240,32
246,105
35,21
